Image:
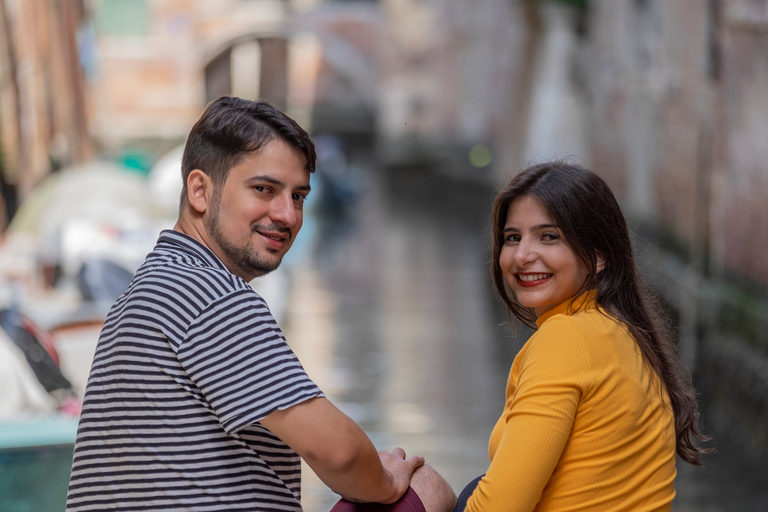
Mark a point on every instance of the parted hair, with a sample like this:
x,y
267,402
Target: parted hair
x,y
229,129
585,210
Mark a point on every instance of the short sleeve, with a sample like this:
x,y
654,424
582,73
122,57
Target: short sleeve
x,y
237,357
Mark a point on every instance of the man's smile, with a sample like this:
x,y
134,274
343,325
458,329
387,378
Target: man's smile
x,y
275,236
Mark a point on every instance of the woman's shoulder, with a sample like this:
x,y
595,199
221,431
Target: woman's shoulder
x,y
586,329
559,351
559,334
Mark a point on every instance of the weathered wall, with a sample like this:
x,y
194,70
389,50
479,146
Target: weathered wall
x,y
42,98
739,214
735,324
161,61
652,99
680,97
151,55
455,74
679,117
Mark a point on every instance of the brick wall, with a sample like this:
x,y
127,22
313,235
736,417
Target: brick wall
x,y
680,92
739,216
679,121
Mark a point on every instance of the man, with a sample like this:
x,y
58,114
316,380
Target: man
x,y
194,401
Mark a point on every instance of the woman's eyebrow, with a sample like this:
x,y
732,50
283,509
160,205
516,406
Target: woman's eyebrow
x,y
542,226
537,227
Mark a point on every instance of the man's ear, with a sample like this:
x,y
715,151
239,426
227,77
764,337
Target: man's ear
x,y
199,190
600,263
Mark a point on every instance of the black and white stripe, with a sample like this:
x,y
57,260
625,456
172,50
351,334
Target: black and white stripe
x,y
188,362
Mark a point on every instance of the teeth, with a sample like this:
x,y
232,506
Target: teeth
x,y
533,277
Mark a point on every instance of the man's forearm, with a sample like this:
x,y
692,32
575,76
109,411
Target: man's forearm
x,y
341,454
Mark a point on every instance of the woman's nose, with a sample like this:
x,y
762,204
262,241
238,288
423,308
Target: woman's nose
x,y
525,253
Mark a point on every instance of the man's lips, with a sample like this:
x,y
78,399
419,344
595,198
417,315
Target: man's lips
x,y
277,237
274,237
272,240
529,279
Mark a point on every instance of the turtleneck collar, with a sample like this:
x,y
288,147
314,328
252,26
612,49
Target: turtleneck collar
x,y
568,307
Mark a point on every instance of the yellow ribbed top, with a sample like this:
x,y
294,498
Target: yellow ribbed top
x,y
585,426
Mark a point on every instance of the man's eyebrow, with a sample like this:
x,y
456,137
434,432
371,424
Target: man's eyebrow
x,y
274,181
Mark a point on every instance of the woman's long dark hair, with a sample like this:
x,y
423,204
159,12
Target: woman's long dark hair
x,y
580,203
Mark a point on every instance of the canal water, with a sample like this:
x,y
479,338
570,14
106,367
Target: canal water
x,y
392,313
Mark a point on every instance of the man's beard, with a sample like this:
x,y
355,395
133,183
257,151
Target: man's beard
x,y
244,257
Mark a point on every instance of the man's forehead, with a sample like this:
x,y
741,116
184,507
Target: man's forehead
x,y
276,160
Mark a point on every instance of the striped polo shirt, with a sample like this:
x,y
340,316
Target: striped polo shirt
x,y
188,361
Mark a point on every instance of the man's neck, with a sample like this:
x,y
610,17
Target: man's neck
x,y
194,227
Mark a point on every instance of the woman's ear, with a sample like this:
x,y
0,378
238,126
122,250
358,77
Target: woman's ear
x,y
199,188
600,263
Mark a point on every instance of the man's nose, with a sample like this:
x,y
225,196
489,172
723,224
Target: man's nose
x,y
284,211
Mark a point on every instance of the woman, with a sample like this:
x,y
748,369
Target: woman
x,y
597,401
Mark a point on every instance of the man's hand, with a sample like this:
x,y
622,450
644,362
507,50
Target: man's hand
x,y
340,453
400,468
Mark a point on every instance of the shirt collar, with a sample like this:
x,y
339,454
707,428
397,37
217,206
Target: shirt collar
x,y
178,241
568,307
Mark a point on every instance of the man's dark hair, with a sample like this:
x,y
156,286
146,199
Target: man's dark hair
x,y
229,129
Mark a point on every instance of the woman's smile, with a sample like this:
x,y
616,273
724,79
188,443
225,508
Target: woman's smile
x,y
538,265
532,279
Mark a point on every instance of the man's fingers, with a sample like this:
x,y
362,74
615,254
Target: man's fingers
x,y
416,460
399,452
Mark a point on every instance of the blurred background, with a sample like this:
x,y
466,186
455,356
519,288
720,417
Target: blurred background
x,y
420,110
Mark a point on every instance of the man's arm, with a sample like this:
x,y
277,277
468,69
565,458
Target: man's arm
x,y
341,454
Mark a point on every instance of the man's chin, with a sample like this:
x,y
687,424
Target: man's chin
x,y
262,268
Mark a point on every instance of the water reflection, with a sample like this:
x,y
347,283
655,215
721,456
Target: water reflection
x,y
395,318
404,320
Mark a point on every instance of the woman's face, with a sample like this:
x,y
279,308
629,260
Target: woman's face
x,y
536,262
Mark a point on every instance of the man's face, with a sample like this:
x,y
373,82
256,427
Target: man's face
x,y
255,216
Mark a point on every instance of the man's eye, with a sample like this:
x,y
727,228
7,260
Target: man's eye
x,y
299,198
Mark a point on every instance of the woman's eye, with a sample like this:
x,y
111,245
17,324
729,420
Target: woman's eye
x,y
512,238
550,237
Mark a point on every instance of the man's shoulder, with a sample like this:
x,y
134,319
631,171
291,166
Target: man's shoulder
x,y
183,265
174,290
183,270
